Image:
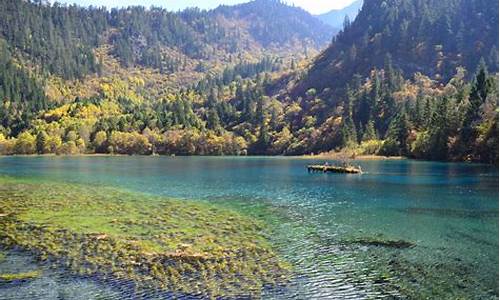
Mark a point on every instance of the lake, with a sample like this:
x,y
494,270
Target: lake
x,y
403,229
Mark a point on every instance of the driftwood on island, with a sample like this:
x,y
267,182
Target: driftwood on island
x,y
334,169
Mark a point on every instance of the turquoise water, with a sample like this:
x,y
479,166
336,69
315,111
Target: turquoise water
x,y
324,224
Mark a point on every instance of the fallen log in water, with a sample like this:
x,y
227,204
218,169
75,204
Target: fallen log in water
x,y
334,169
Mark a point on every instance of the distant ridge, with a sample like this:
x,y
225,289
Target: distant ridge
x,y
274,21
336,17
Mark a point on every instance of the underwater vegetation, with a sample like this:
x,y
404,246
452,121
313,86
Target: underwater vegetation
x,y
403,275
187,247
456,213
19,276
380,241
403,269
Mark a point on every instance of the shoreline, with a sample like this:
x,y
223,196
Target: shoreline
x,y
321,156
340,156
304,156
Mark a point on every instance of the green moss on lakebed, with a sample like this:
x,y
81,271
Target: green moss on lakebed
x,y
182,246
19,276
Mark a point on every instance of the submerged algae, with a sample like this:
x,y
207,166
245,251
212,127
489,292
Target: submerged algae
x,y
19,276
381,242
182,246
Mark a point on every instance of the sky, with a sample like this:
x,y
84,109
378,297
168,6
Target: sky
x,y
313,6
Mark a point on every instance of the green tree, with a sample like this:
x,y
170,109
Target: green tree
x,y
439,132
100,140
25,144
479,92
369,133
41,142
397,135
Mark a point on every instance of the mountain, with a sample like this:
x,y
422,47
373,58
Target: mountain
x,y
415,78
53,56
432,37
411,73
60,39
336,17
273,22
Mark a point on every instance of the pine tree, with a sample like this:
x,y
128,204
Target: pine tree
x,y
398,133
478,94
439,131
41,141
369,133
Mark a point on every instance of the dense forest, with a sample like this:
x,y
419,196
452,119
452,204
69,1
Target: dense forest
x,y
417,78
432,37
59,39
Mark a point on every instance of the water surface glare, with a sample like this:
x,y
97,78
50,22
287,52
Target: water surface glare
x,y
340,232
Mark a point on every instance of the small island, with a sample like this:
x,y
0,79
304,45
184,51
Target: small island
x,y
346,169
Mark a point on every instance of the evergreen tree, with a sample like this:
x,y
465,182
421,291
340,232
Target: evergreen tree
x,y
41,141
396,140
369,133
478,94
439,132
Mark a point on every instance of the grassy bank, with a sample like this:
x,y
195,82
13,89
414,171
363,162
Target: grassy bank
x,y
181,246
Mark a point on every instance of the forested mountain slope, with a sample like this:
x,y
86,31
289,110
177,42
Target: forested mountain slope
x,y
413,73
269,22
432,37
60,39
54,54
408,77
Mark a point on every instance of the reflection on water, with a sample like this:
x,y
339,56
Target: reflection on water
x,y
449,212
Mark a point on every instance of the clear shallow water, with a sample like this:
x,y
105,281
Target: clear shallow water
x,y
449,211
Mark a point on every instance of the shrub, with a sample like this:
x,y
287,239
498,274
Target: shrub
x,y
25,144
